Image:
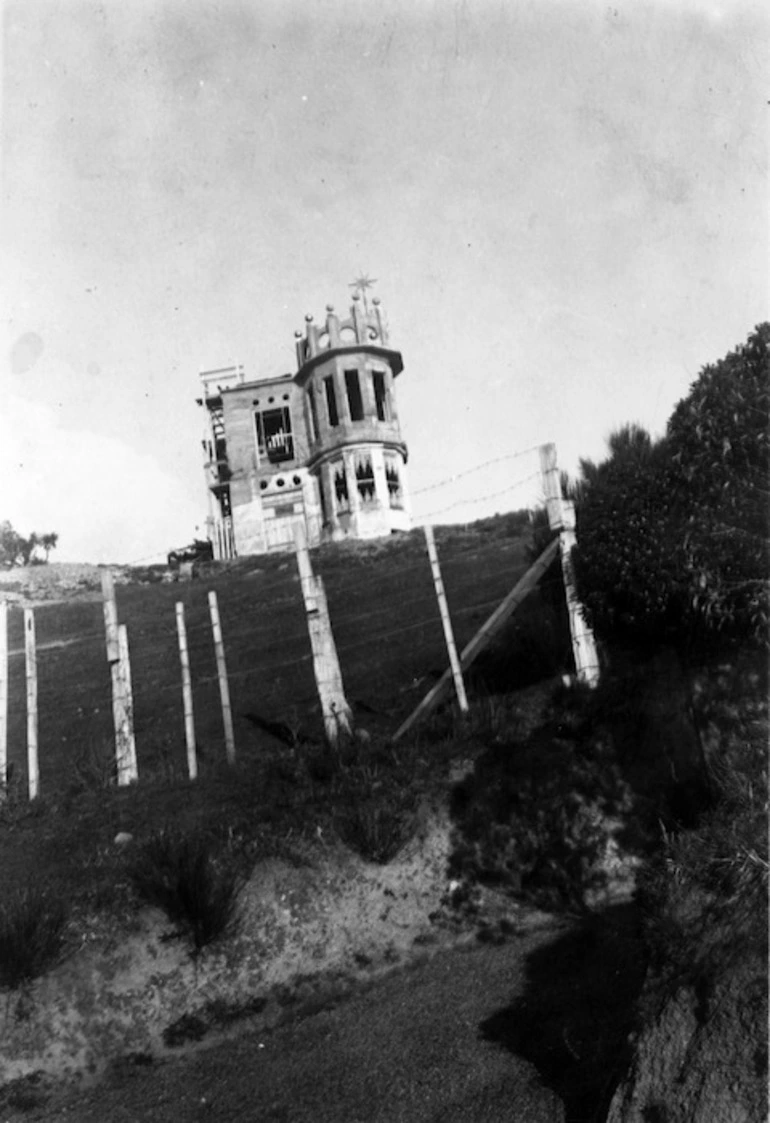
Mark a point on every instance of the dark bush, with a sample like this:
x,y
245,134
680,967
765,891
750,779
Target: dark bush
x,y
179,874
530,819
32,931
672,534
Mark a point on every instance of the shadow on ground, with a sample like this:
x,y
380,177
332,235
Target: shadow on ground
x,y
576,1013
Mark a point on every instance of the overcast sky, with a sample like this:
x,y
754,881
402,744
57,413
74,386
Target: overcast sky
x,y
564,206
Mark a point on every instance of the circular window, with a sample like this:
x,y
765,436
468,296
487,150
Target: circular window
x,y
296,481
270,400
280,481
263,485
286,397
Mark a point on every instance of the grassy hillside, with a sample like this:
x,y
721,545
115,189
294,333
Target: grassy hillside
x,y
384,617
388,633
557,770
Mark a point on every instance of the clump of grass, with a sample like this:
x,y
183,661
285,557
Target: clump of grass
x,y
179,874
94,767
372,798
32,935
376,830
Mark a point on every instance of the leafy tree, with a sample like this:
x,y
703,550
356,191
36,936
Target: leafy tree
x,y
10,544
15,549
720,445
672,534
49,542
628,563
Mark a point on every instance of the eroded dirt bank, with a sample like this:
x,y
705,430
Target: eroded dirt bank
x,y
406,1048
310,930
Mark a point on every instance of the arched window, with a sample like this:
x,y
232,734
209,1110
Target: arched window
x,y
341,489
393,480
365,479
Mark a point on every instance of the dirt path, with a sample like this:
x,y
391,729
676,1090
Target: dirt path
x,y
406,1049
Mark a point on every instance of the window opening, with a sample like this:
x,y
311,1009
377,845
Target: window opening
x,y
394,485
341,489
381,397
331,402
365,479
224,502
314,427
274,437
355,401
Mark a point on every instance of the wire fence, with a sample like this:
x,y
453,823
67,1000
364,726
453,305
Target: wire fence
x,y
385,620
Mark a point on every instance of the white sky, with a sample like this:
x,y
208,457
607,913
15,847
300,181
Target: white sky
x,y
565,206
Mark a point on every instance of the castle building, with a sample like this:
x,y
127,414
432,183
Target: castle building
x,y
322,446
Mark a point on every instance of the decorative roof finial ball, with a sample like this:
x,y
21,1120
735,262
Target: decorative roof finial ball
x,y
375,300
329,307
308,319
298,335
356,295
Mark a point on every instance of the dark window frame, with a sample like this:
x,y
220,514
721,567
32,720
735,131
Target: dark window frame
x,y
332,411
315,429
354,394
381,399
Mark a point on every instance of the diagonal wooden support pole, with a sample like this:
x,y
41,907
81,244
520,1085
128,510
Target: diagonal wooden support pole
x,y
504,610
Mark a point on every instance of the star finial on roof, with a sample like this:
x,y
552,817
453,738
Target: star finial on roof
x,y
360,285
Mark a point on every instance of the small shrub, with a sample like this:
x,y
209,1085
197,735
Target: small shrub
x,y
179,874
32,931
376,831
94,767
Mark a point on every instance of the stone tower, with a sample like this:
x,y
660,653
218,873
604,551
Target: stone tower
x,y
322,445
347,371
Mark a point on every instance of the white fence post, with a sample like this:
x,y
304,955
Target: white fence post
x,y
446,620
122,715
561,517
30,655
129,769
224,688
337,714
187,696
3,693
